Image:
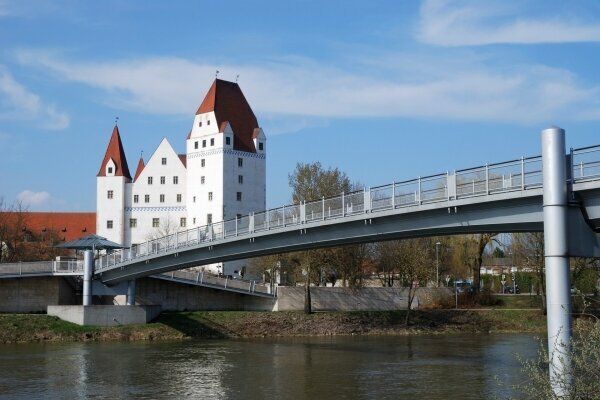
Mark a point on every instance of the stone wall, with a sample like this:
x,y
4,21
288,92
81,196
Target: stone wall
x,y
365,299
172,296
34,294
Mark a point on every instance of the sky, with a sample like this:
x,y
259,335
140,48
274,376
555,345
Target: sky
x,y
383,90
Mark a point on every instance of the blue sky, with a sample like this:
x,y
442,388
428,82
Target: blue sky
x,y
385,90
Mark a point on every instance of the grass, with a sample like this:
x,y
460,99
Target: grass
x,y
519,301
16,328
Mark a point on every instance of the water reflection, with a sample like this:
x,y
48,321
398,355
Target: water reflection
x,y
433,367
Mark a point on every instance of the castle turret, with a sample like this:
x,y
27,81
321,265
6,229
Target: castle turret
x,y
111,190
226,153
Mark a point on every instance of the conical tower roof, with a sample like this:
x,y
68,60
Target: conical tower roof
x,y
115,152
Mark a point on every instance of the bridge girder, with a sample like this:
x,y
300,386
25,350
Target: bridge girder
x,y
510,213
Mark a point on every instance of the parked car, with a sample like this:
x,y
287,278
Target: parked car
x,y
512,290
464,287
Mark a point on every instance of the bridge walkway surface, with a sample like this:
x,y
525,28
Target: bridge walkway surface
x,y
75,268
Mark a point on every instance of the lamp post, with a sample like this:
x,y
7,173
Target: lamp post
x,y
437,264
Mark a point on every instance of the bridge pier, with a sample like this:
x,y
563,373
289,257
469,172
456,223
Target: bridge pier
x,y
131,292
88,270
558,287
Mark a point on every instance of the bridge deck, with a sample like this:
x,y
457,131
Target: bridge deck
x,y
496,197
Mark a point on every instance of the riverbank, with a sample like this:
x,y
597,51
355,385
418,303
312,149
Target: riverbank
x,y
21,328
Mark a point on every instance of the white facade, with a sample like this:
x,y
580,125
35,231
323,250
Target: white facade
x,y
213,181
158,194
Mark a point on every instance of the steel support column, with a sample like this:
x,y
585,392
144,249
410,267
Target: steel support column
x,y
88,270
558,287
131,292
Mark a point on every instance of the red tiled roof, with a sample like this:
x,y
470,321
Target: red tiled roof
x,y
229,104
68,225
183,159
116,152
139,168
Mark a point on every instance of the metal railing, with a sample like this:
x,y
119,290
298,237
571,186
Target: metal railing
x,y
515,175
74,267
201,278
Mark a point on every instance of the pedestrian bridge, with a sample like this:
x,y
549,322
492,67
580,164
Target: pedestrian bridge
x,y
500,197
75,268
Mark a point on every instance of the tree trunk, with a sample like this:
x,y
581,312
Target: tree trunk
x,y
307,301
411,295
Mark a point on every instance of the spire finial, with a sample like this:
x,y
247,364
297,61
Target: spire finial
x,y
142,154
237,77
216,74
116,121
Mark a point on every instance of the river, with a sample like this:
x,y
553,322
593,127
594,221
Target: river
x,y
372,367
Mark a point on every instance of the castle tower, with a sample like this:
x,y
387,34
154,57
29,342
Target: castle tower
x,y
226,160
111,190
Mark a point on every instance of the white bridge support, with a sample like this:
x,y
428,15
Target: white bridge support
x,y
558,286
88,270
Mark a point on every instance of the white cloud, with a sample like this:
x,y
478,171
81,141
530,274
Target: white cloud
x,y
4,11
444,89
16,102
474,23
32,199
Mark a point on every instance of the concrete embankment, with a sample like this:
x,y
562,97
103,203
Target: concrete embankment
x,y
35,294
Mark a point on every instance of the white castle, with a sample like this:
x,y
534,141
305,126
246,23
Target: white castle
x,y
221,176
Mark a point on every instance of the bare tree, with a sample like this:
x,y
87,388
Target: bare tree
x,y
414,258
528,249
13,231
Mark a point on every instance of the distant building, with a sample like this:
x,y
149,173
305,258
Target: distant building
x,y
221,176
30,236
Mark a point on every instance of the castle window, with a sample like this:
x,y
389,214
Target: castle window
x,y
162,198
195,145
194,199
203,163
155,222
228,140
202,180
208,122
200,124
132,222
239,196
149,180
147,198
212,141
210,196
175,180
194,220
204,143
260,146
110,170
163,161
209,218
110,194
109,224
240,162
182,222
240,179
179,198
136,198
162,180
